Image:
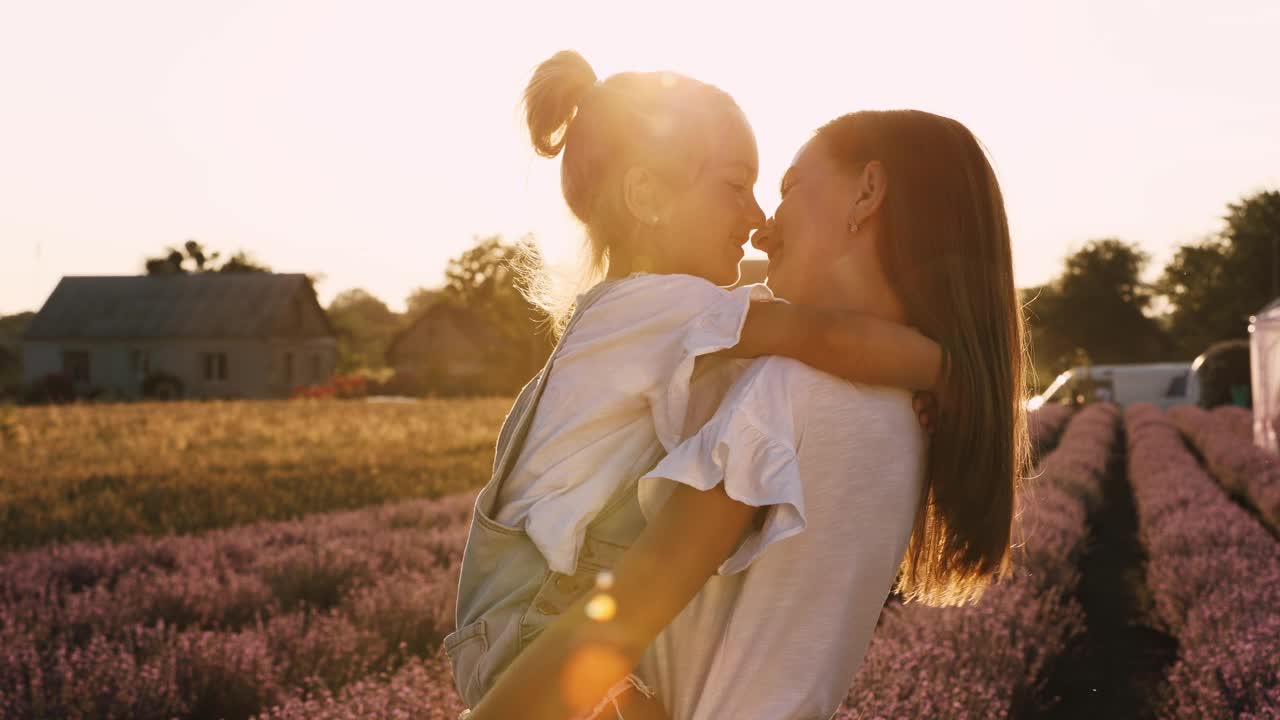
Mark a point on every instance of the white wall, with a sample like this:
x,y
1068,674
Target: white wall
x,y
255,368
40,359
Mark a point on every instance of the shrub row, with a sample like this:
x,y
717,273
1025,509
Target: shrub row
x,y
1214,575
1238,419
1045,426
992,658
1243,468
233,622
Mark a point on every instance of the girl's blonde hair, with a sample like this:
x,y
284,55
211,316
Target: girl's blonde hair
x,y
658,120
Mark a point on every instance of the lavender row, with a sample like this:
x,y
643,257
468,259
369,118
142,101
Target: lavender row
x,y
1243,468
990,659
421,689
336,615
1214,574
415,691
230,623
1046,424
1237,419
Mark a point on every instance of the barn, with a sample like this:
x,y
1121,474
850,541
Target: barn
x,y
214,335
447,349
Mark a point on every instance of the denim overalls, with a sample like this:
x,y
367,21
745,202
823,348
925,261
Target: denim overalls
x,y
507,594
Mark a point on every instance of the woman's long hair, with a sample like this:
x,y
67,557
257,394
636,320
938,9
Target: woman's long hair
x,y
945,251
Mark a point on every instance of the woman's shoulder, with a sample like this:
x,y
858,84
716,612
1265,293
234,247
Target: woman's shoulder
x,y
781,382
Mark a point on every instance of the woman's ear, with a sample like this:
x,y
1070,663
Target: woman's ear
x,y
869,193
641,193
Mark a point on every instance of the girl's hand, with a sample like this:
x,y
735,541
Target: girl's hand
x,y
925,404
855,346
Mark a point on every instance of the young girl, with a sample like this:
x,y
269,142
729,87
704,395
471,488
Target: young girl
x,y
660,169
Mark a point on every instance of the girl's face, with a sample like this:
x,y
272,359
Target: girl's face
x,y
808,242
706,224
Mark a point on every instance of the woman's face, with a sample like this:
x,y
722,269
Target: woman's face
x,y
808,242
706,224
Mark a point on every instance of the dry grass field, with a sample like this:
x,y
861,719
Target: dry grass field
x,y
111,471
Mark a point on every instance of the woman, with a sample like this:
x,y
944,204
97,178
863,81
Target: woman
x,y
659,168
898,215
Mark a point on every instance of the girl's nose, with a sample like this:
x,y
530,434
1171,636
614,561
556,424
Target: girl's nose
x,y
762,239
755,216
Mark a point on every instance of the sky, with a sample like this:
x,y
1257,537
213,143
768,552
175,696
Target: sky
x,y
369,142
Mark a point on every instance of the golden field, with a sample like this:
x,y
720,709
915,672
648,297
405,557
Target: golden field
x,y
111,471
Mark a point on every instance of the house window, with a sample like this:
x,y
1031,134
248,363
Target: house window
x,y
288,367
75,365
139,362
214,366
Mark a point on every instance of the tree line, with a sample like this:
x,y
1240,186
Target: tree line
x,y
1102,307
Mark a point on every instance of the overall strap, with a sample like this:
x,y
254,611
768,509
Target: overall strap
x,y
532,393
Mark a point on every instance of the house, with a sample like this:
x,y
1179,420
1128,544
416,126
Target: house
x,y
446,348
752,271
243,335
8,361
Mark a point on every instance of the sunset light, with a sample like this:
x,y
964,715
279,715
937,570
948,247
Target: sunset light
x,y
368,145
663,360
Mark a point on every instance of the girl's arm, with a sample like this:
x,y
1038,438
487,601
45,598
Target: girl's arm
x,y
851,345
685,544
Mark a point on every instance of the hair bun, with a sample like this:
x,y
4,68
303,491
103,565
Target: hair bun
x,y
552,97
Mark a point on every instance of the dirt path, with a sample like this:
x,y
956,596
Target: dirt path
x,y
1117,669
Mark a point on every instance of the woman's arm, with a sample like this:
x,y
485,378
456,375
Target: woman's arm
x,y
851,345
684,545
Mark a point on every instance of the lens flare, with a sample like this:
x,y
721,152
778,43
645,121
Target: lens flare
x,y
602,607
604,580
589,673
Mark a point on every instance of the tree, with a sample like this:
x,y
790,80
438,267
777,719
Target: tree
x,y
195,258
242,262
484,280
421,299
1098,304
11,329
1213,285
365,326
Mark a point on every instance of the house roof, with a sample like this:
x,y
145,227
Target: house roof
x,y
467,321
203,305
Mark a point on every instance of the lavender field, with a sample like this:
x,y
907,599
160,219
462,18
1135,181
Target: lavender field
x,y
1147,585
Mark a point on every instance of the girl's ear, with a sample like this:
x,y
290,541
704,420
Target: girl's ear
x,y
869,192
642,195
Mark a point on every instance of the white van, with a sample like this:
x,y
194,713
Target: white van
x,y
1164,384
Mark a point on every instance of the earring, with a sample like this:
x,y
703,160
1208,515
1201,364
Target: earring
x,y
853,226
653,220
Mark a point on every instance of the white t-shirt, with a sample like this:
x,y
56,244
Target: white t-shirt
x,y
617,400
779,633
